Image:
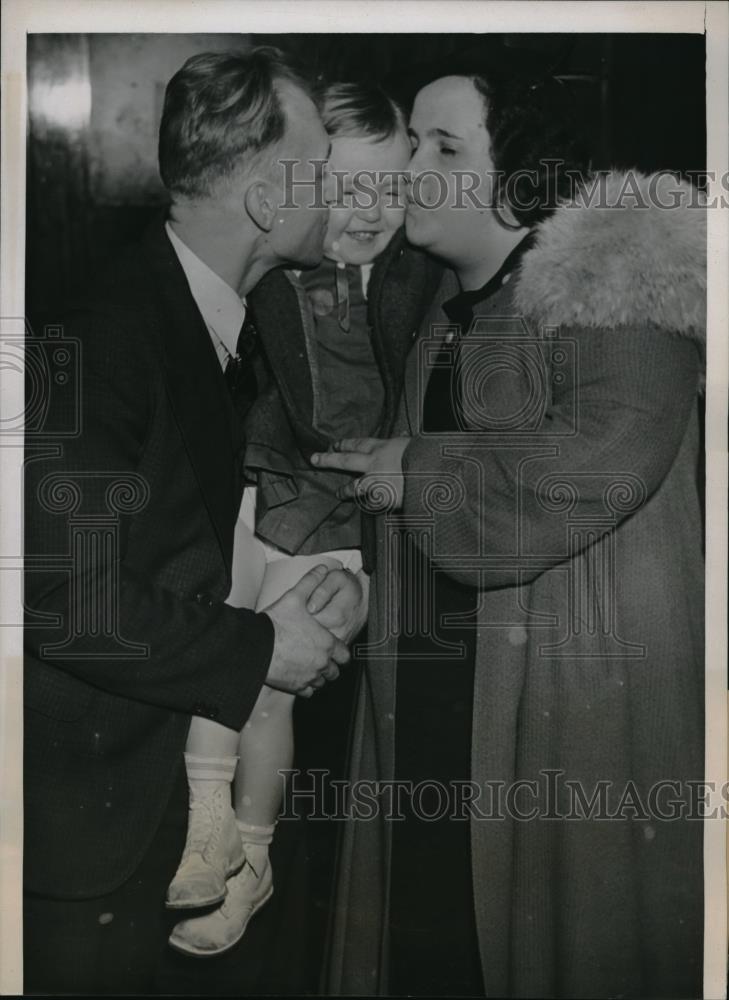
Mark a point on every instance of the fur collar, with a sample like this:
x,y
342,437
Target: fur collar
x,y
620,259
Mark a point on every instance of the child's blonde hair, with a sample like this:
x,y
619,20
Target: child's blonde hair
x,y
355,110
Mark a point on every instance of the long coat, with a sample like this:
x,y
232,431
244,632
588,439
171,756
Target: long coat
x,y
570,499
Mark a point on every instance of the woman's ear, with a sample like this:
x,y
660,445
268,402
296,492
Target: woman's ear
x,y
260,204
506,218
501,208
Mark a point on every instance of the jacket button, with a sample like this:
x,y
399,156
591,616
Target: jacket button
x,y
204,711
204,598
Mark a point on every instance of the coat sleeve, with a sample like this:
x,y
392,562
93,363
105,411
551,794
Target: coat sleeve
x,y
201,659
605,442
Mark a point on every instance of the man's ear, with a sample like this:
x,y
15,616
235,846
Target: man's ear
x,y
260,204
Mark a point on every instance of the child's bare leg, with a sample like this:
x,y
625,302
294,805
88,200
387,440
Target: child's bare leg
x,y
209,739
266,745
266,748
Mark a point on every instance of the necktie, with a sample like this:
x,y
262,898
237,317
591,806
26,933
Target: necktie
x,y
240,371
342,285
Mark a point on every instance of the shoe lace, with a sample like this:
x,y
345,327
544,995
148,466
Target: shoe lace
x,y
204,826
235,885
199,828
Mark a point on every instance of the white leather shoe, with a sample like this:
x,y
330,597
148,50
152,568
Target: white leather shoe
x,y
213,852
220,930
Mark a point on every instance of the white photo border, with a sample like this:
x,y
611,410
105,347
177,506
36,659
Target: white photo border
x,y
20,17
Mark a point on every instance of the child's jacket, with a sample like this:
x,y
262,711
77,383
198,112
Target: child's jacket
x,y
323,383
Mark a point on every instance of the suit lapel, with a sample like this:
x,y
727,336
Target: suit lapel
x,y
197,389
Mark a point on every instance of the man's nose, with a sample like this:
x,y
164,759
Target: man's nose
x,y
329,187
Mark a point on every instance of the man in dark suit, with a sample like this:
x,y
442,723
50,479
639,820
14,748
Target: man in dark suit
x,y
129,530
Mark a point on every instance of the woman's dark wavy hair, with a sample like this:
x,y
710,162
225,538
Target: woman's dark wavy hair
x,y
536,145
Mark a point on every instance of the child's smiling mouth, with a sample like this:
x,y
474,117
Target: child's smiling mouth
x,y
363,235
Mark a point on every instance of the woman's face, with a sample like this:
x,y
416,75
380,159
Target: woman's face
x,y
369,207
452,171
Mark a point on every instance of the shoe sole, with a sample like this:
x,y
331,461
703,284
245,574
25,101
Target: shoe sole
x,y
198,904
189,949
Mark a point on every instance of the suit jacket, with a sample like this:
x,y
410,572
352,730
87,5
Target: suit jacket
x,y
132,492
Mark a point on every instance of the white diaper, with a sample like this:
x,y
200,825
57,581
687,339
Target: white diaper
x,y
261,572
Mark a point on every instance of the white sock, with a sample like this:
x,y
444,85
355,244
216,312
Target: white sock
x,y
206,774
255,844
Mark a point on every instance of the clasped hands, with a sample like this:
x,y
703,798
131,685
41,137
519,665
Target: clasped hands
x,y
313,622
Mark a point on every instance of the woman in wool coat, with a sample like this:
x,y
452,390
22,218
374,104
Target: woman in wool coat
x,y
530,724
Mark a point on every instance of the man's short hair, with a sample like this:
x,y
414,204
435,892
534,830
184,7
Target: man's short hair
x,y
221,110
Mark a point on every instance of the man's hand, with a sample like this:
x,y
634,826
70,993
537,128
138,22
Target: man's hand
x,y
340,603
305,653
379,463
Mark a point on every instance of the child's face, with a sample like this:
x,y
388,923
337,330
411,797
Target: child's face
x,y
369,205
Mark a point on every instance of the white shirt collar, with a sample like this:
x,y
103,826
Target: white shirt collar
x,y
220,305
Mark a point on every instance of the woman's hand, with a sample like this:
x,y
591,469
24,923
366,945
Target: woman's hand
x,y
379,464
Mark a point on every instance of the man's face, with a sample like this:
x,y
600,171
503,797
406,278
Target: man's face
x,y
369,208
449,137
300,225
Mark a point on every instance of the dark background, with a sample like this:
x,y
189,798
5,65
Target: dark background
x,y
95,102
94,108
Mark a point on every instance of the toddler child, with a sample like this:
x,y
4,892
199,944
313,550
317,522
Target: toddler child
x,y
281,533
